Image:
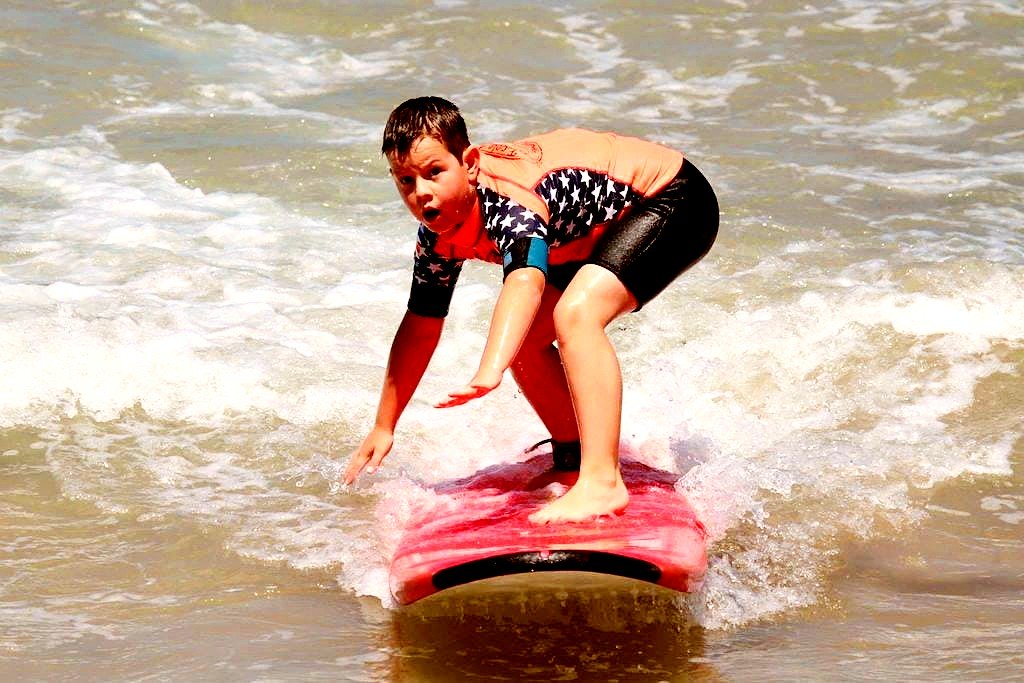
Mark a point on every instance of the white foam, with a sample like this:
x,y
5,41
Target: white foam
x,y
901,78
958,21
360,289
10,122
923,315
168,294
31,627
867,20
594,44
1007,508
940,181
66,292
256,65
916,120
827,408
696,92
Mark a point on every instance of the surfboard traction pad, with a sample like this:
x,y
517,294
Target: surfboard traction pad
x,y
479,529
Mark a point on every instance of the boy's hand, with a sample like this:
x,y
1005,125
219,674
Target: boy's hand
x,y
479,386
370,454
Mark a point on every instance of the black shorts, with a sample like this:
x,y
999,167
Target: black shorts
x,y
659,239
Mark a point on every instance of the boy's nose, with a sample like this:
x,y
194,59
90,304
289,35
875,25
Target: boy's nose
x,y
422,189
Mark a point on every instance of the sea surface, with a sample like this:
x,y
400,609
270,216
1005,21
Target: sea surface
x,y
203,261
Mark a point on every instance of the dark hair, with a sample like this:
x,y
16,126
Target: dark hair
x,y
433,116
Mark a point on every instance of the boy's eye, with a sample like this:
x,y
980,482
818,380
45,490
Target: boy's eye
x,y
436,171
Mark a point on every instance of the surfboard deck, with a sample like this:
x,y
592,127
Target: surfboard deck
x,y
478,528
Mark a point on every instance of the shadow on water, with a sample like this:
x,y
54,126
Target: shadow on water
x,y
562,626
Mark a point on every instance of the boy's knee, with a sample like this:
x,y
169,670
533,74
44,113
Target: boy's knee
x,y
571,315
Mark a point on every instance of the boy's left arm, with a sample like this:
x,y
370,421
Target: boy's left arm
x,y
513,315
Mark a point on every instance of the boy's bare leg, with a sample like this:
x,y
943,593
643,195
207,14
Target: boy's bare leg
x,y
593,299
540,375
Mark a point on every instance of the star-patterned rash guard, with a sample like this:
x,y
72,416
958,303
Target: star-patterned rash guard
x,y
562,187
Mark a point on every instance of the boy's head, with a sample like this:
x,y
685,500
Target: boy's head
x,y
432,163
434,117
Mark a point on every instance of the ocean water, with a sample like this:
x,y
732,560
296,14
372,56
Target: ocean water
x,y
202,263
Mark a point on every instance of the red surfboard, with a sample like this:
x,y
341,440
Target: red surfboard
x,y
479,529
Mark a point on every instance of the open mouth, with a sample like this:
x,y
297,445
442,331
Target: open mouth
x,y
430,214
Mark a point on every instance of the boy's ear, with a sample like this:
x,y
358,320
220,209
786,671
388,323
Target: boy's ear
x,y
471,160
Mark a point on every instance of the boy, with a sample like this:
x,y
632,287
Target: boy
x,y
588,226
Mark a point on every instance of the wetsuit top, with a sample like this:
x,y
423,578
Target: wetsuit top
x,y
562,187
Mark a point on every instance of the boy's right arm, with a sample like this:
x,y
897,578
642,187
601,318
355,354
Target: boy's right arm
x,y
411,352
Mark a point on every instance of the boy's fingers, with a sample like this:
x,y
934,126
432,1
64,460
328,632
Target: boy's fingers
x,y
359,459
457,398
375,461
454,398
368,456
355,465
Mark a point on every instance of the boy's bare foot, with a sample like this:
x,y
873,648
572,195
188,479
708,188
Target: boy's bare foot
x,y
583,501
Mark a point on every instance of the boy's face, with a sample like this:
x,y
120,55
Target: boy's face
x,y
438,188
